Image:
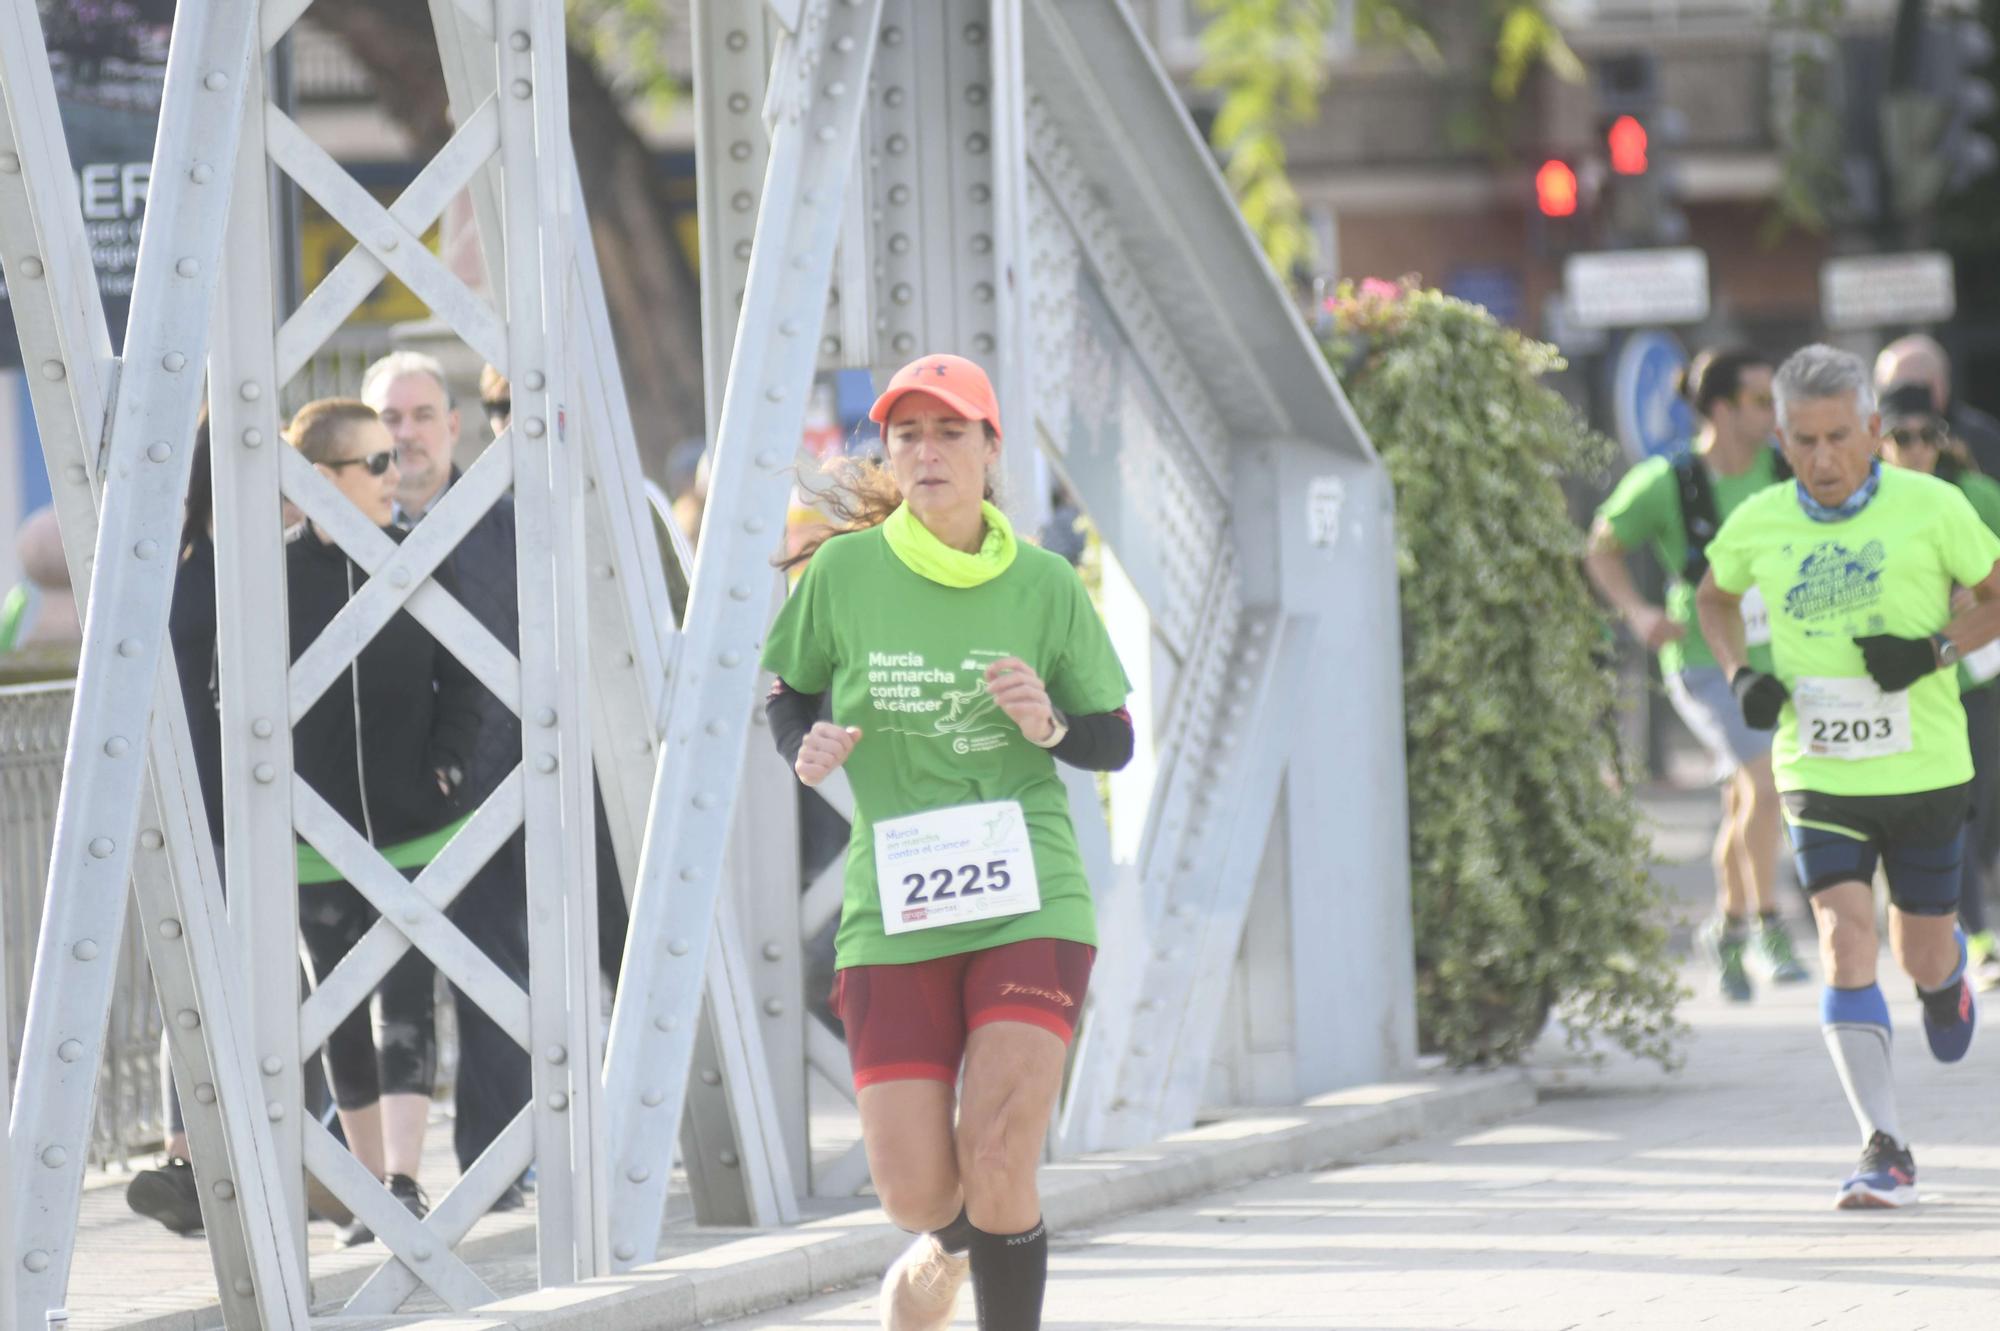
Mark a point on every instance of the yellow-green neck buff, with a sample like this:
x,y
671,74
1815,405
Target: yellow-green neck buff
x,y
928,557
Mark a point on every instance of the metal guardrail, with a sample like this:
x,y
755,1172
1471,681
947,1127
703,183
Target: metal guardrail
x,y
34,726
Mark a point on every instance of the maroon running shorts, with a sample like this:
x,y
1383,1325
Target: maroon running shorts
x,y
911,1021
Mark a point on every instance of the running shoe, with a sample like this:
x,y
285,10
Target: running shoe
x,y
169,1195
1885,1178
1774,955
920,1291
1726,950
1951,1016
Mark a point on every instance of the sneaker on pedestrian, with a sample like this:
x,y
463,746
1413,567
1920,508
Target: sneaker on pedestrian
x,y
511,1200
169,1195
920,1291
353,1234
1885,1178
405,1190
1774,955
1725,949
1951,1017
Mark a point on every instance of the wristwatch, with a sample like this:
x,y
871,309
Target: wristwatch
x,y
1947,651
1056,735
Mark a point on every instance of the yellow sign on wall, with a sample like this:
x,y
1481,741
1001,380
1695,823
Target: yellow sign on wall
x,y
323,243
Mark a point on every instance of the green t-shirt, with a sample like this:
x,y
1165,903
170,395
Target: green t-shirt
x,y
1888,569
1983,493
1645,510
905,659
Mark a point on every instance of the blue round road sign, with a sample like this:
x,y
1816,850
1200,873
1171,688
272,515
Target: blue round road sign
x,y
1648,412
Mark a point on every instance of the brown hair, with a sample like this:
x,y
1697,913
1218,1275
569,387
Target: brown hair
x,y
863,495
318,427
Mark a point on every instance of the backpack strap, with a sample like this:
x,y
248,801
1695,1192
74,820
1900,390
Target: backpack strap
x,y
1699,521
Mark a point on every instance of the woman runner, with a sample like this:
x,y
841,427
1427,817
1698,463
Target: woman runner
x,y
960,665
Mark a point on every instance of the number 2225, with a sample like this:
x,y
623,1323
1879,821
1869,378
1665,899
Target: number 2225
x,y
940,881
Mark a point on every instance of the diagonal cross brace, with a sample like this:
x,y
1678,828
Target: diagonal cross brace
x,y
653,1025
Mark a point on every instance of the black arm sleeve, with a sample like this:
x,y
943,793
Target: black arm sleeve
x,y
791,715
1100,742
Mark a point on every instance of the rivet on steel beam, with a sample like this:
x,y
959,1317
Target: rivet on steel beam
x,y
116,746
982,244
225,1189
261,727
272,1065
545,763
789,327
201,173
729,660
974,34
899,244
666,1025
704,801
216,81
892,98
983,293
535,380
736,40
556,1054
774,394
638,1173
243,1287
265,773
85,950
69,1051
624,1252
519,41
170,929
399,576
741,201
188,268
534,427
728,1159
523,89
558,1101
826,134
774,1007
275,1111
983,342
146,549
844,45
905,342
836,89
739,593
739,102
625,659
10,164
421,1253
253,438
739,151
897,145
53,371
606,573
159,450
204,1094
742,250
976,144
678,947
653,1099
982,193
892,36
688,873
31,267
173,362
975,94
710,1077
151,838
899,194
187,1019
902,293
55,1157
413,918
545,717
75,474
101,847
754,526
36,1261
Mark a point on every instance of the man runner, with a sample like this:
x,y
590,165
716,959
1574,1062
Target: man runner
x,y
1857,565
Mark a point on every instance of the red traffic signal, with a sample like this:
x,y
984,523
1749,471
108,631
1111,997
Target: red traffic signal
x,y
1555,189
1627,141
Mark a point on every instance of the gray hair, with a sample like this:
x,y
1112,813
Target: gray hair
x,y
1820,371
399,363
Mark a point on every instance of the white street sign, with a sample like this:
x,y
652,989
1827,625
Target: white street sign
x,y
1637,288
1875,290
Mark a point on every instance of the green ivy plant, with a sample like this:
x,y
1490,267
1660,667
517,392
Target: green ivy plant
x,y
1528,864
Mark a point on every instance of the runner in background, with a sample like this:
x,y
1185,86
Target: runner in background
x,y
1674,506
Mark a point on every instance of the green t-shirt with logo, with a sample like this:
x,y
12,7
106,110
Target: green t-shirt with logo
x,y
1888,569
1645,510
1983,493
905,660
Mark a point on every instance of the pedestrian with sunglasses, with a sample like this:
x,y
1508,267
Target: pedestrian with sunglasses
x,y
959,665
1917,437
385,745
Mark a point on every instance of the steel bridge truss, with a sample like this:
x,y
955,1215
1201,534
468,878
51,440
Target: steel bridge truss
x,y
1012,179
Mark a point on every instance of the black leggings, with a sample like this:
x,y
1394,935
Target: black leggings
x,y
398,1054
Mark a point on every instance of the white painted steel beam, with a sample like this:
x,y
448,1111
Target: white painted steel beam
x,y
815,110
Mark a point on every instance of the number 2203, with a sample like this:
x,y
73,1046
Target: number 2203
x,y
945,884
1847,732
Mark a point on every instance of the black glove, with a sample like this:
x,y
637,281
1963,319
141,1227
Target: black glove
x,y
1761,697
1896,663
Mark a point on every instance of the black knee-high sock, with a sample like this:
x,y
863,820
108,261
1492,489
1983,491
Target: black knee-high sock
x,y
955,1237
1009,1273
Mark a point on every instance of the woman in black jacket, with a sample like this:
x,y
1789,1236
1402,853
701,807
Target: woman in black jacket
x,y
385,746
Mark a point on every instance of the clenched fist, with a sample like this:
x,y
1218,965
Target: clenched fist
x,y
824,748
1022,696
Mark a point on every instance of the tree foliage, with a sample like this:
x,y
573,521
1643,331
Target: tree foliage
x,y
1528,866
1267,60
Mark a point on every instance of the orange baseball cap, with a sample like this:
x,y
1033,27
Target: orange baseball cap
x,y
953,380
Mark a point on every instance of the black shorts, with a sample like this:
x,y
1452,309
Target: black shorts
x,y
1918,839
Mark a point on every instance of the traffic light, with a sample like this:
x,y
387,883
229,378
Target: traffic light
x,y
1635,133
1931,137
1555,189
1625,143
